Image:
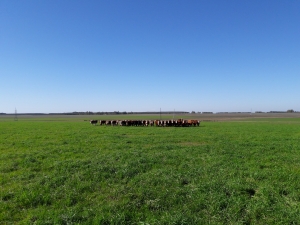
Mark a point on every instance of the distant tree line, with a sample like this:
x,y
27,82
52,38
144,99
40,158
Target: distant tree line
x,y
118,113
156,112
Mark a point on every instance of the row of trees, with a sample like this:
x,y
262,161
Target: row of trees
x,y
164,112
117,113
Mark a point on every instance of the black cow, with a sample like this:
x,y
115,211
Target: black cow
x,y
102,122
93,122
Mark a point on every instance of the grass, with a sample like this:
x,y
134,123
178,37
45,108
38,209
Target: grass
x,y
69,172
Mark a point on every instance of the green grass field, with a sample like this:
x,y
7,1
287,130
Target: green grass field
x,y
66,171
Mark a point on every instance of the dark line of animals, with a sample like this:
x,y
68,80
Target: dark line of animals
x,y
158,123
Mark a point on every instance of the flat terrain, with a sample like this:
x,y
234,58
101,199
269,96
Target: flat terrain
x,y
202,117
233,169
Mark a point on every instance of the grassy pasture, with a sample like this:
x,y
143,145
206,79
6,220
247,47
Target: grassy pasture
x,y
62,170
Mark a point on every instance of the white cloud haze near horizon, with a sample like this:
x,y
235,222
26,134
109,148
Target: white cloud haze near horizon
x,y
230,56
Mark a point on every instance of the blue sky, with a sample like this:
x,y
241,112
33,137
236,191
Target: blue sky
x,y
142,55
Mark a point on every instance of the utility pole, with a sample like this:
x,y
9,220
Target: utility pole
x,y
160,114
16,115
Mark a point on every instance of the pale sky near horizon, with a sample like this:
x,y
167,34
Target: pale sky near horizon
x,y
142,55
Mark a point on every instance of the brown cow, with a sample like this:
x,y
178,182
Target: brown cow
x,y
157,123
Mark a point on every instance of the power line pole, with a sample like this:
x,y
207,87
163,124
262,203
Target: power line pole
x,y
16,115
160,114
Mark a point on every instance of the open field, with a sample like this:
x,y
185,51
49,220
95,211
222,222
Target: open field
x,y
202,117
236,170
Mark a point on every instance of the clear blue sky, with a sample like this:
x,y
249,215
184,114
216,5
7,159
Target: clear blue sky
x,y
118,55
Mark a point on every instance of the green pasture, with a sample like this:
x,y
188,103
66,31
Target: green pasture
x,y
65,171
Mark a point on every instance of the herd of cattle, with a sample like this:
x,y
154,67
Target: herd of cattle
x,y
158,123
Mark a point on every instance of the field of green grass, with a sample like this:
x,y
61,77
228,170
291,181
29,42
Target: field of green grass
x,y
66,171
